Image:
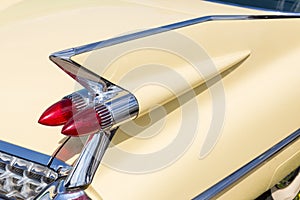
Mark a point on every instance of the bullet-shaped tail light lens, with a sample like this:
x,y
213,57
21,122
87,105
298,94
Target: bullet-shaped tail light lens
x,y
60,112
85,122
57,114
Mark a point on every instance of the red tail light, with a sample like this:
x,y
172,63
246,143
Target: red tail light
x,y
60,112
115,111
84,122
57,114
88,121
84,113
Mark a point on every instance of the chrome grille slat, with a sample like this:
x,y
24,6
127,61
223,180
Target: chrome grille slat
x,y
21,179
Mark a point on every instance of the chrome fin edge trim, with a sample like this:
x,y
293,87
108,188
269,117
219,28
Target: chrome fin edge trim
x,y
221,186
68,53
91,80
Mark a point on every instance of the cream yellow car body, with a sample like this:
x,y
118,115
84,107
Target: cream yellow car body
x,y
261,92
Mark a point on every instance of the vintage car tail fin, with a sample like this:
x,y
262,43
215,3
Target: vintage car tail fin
x,y
100,106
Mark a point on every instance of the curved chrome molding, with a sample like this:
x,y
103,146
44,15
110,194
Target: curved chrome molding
x,y
32,156
24,153
97,84
250,7
86,165
68,53
224,184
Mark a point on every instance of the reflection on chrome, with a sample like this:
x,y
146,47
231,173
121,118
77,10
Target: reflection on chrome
x,y
57,191
21,179
86,165
24,173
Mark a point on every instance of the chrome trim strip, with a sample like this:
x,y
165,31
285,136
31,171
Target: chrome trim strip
x,y
221,186
87,164
96,84
24,153
32,156
68,53
249,7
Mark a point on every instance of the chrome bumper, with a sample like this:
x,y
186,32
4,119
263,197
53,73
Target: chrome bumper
x,y
27,174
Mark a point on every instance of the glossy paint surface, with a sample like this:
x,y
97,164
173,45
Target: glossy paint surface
x,y
261,92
